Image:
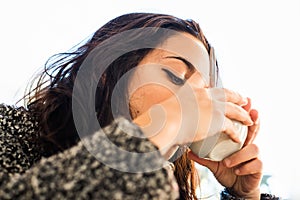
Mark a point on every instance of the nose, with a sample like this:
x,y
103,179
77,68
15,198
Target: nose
x,y
198,81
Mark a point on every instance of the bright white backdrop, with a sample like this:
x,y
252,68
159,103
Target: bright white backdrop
x,y
256,44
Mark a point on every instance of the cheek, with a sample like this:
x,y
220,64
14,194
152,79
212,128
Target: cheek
x,y
146,96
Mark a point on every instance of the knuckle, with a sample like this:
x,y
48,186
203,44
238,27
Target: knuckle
x,y
202,93
260,164
218,111
218,93
226,91
255,148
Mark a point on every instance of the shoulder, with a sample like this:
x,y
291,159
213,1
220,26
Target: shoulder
x,y
123,146
12,115
116,162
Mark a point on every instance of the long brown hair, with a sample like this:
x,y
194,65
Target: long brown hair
x,y
50,97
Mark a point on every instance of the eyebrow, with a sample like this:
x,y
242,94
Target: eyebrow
x,y
189,65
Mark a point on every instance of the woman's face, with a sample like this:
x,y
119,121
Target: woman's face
x,y
164,70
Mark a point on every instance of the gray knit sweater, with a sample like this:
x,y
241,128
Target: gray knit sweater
x,y
76,173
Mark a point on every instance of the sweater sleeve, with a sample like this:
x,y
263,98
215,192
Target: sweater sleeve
x,y
94,170
18,140
226,195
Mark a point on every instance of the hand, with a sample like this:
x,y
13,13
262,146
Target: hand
x,y
242,171
191,114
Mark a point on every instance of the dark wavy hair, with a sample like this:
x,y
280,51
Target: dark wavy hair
x,y
49,96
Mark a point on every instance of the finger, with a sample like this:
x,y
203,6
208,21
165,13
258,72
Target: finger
x,y
247,107
253,130
223,94
254,115
230,130
211,165
236,112
252,167
245,154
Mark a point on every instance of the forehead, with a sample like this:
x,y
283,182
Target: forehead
x,y
189,48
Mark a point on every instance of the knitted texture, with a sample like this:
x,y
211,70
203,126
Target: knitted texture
x,y
76,173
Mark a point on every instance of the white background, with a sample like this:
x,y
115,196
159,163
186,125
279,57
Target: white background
x,y
257,46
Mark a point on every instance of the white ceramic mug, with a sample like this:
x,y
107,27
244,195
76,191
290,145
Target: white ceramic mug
x,y
220,146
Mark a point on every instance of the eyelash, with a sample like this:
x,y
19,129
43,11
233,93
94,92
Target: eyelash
x,y
174,79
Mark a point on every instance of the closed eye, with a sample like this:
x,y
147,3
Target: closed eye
x,y
173,78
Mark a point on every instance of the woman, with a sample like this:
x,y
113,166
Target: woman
x,y
146,80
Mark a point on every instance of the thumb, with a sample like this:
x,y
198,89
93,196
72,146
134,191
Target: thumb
x,y
211,165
